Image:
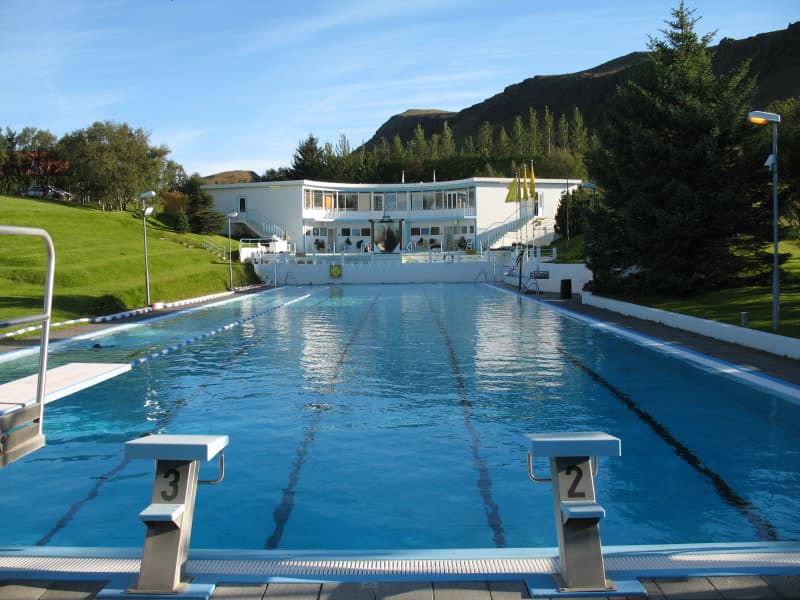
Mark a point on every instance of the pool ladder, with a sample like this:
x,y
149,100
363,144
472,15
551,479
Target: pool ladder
x,y
21,426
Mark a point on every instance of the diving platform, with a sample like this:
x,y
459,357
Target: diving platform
x,y
61,381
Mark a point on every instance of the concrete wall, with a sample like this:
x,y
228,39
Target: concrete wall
x,y
281,203
319,274
392,271
578,275
751,338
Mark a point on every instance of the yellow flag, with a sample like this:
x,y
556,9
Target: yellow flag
x,y
513,191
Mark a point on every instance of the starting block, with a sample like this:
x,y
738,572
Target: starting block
x,y
573,465
169,516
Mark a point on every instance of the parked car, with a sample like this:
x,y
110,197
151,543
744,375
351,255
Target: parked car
x,y
57,193
35,191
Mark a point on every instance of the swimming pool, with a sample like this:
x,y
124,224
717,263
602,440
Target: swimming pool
x,y
392,417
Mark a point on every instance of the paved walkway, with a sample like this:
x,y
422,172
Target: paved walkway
x,y
705,588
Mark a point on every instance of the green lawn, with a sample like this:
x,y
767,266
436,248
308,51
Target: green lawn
x,y
725,305
100,261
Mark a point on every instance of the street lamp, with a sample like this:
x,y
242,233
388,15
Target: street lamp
x,y
232,215
590,186
146,212
763,118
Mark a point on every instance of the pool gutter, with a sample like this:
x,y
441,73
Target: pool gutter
x,y
535,566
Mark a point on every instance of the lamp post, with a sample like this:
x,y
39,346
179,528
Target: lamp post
x,y
232,215
763,118
590,186
146,212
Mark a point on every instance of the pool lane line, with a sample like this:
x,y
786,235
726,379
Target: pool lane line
x,y
283,512
493,517
763,528
708,363
64,520
213,332
76,506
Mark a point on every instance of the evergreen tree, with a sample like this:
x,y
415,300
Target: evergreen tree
x,y
534,147
562,133
485,140
181,221
308,161
503,148
199,208
578,135
788,160
448,145
547,134
680,214
518,138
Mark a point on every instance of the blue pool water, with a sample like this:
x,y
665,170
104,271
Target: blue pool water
x,y
378,417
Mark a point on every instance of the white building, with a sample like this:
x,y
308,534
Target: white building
x,y
318,216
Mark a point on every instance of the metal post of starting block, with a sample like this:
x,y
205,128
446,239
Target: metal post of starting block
x,y
169,516
573,464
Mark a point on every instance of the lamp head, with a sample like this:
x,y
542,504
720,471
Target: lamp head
x,y
148,211
760,117
233,215
147,195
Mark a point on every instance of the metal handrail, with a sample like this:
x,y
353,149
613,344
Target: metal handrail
x,y
43,317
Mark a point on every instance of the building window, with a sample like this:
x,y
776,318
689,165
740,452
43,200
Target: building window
x,y
365,232
345,231
351,201
242,204
364,201
402,201
377,202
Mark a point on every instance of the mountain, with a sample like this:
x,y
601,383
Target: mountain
x,y
775,62
233,177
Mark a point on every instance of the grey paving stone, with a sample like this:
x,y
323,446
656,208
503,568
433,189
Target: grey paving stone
x,y
292,591
461,590
239,591
688,588
787,586
744,588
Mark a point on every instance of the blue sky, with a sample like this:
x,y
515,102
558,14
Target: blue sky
x,y
236,84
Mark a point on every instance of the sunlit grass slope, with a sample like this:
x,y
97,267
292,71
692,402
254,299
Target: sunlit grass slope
x,y
100,261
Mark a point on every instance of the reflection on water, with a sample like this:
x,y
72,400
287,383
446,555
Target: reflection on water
x,y
346,415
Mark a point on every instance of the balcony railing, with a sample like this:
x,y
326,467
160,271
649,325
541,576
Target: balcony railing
x,y
339,214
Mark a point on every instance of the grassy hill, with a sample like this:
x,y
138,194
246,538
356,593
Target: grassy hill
x,y
233,177
100,261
